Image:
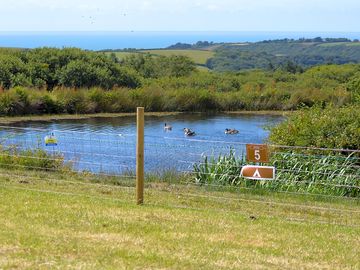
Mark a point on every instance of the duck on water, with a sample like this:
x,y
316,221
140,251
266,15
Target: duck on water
x,y
189,132
231,131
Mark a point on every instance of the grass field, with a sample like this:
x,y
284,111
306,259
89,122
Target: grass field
x,y
339,44
121,55
198,56
67,221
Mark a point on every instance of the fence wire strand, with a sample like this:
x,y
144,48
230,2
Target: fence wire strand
x,y
113,155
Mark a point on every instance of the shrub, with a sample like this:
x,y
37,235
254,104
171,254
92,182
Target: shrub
x,y
330,128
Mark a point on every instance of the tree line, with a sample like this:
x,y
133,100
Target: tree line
x,y
277,53
53,81
75,68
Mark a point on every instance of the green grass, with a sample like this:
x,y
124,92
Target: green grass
x,y
9,49
202,68
121,55
66,221
6,120
339,44
198,56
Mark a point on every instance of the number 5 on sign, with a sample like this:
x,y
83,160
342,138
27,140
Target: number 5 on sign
x,y
257,153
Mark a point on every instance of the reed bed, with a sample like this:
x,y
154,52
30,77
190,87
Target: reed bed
x,y
336,175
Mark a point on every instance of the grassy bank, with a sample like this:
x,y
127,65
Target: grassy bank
x,y
7,120
34,118
21,101
66,221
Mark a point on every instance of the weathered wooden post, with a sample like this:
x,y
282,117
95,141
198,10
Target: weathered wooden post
x,y
140,156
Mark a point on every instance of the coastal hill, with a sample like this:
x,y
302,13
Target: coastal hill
x,y
268,54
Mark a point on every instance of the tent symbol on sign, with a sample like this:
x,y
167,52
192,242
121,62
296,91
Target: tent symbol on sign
x,y
257,174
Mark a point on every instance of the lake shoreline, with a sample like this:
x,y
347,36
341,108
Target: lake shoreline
x,y
6,120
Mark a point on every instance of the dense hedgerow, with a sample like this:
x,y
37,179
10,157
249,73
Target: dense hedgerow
x,y
71,67
54,81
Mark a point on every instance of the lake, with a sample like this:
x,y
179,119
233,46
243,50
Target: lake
x,y
107,145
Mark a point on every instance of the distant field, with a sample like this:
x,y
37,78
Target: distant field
x,y
8,49
121,55
202,68
198,56
340,44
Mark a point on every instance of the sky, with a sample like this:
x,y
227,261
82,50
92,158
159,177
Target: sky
x,y
176,15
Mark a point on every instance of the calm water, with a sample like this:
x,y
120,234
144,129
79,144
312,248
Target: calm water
x,y
145,40
108,144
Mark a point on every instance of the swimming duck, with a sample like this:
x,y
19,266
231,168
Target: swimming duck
x,y
231,131
189,132
167,127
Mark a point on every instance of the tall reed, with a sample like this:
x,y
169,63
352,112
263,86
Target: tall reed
x,y
337,175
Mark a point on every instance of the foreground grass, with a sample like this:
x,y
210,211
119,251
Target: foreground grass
x,y
70,221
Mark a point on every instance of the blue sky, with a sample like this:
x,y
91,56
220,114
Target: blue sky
x,y
176,15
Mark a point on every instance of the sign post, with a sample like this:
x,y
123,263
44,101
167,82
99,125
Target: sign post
x,y
258,153
140,156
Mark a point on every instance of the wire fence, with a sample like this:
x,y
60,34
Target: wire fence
x,y
95,152
194,168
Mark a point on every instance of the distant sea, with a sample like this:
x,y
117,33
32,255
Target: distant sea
x,y
146,40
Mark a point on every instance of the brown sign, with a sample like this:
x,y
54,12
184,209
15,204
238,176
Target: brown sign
x,y
258,172
257,153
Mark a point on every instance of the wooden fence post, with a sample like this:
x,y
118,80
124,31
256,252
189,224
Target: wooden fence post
x,y
140,156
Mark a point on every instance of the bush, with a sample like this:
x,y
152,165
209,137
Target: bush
x,y
329,128
70,67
